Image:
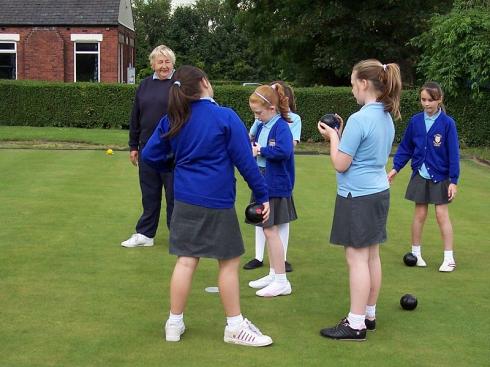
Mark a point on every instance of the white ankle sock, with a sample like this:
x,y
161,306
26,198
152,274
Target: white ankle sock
x,y
234,321
176,319
448,255
417,250
371,311
272,273
356,321
280,278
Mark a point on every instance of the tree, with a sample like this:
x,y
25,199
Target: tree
x,y
151,20
456,49
319,41
206,35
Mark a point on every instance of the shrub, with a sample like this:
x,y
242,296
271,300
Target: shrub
x,y
87,105
92,105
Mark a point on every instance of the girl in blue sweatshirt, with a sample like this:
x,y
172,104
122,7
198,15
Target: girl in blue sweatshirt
x,y
205,142
273,147
431,142
295,127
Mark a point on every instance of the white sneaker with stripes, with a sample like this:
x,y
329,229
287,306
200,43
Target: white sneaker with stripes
x,y
246,334
447,266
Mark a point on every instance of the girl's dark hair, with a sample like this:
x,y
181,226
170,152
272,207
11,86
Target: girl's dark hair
x,y
386,80
288,91
435,92
185,89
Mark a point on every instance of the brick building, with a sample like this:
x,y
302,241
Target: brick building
x,y
66,40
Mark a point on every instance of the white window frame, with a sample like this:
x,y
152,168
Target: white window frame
x,y
11,38
86,38
120,61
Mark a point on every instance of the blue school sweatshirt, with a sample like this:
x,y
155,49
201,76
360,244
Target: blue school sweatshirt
x,y
438,148
212,142
279,153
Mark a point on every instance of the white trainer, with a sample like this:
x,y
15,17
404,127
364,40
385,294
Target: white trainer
x,y
275,289
262,282
138,240
246,334
173,332
447,266
421,262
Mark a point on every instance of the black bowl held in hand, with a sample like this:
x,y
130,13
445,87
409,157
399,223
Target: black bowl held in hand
x,y
408,302
254,213
331,120
410,259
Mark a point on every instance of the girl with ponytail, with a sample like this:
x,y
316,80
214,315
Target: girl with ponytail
x,y
295,127
206,142
363,196
272,146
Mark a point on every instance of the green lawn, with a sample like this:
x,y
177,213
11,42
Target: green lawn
x,y
70,295
75,138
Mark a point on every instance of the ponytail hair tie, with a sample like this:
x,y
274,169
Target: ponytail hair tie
x,y
177,83
384,67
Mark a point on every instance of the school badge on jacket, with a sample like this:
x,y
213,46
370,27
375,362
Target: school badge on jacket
x,y
437,140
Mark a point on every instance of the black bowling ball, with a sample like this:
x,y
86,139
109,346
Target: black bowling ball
x,y
408,302
253,213
331,120
410,259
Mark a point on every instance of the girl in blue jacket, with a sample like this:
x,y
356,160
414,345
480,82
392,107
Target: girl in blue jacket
x,y
273,148
205,142
431,142
295,127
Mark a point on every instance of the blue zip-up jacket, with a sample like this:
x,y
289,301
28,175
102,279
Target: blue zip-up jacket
x,y
438,148
210,144
279,152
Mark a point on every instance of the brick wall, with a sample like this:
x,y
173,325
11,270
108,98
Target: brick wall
x,y
47,53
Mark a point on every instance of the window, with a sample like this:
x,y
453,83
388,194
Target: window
x,y
87,62
87,57
8,60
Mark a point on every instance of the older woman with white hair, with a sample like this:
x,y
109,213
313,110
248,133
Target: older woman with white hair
x,y
150,105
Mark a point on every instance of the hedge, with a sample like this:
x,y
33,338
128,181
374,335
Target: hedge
x,y
92,105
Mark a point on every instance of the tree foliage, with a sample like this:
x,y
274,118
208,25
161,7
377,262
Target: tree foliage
x,y
319,41
151,19
456,49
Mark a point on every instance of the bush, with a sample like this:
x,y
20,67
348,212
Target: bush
x,y
86,105
92,105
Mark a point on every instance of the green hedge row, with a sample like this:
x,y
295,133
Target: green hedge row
x,y
90,105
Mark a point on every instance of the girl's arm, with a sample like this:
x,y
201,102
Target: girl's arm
x,y
253,129
240,151
340,160
157,153
283,147
405,150
453,153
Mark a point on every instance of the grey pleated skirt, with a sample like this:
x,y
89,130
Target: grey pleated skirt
x,y
360,221
282,210
423,191
196,231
